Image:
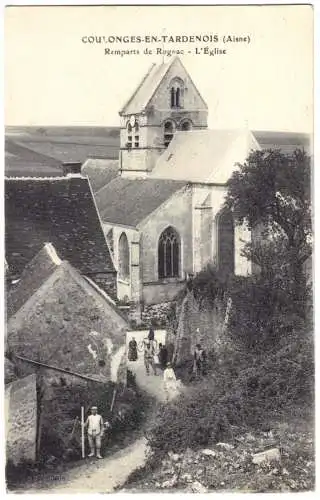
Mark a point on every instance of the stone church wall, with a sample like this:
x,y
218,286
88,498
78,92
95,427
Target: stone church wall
x,y
176,212
192,102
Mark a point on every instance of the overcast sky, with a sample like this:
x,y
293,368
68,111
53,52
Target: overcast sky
x,y
53,78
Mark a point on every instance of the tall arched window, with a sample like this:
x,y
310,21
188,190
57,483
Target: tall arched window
x,y
168,132
169,254
225,249
178,97
176,93
172,97
124,257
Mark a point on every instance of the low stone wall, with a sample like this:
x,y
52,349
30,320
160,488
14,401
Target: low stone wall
x,y
21,420
157,314
198,325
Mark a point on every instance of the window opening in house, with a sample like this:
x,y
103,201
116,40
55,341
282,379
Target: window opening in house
x,y
169,254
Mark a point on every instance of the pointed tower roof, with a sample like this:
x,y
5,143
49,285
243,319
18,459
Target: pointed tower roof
x,y
148,86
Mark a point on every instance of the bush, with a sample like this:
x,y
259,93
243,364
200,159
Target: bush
x,y
242,391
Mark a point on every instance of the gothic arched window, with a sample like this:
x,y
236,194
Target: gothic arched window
x,y
168,132
124,257
169,254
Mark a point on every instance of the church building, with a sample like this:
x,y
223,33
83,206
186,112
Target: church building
x,y
163,213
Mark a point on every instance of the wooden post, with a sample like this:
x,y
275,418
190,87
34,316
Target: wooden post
x,y
82,432
113,399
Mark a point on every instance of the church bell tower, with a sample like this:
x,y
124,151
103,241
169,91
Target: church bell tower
x,y
165,102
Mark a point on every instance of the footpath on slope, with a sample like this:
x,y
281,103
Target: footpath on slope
x,y
105,476
94,476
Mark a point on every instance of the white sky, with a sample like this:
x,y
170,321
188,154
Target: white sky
x,y
52,78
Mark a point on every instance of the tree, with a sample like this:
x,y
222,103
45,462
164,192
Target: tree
x,y
272,191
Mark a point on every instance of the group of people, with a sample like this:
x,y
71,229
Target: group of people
x,y
154,356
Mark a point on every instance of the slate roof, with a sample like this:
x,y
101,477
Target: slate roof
x,y
286,141
60,210
36,272
129,201
100,172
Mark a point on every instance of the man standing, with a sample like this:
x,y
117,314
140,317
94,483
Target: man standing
x,y
149,358
199,359
95,428
163,356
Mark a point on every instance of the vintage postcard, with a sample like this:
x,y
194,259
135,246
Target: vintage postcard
x,y
158,249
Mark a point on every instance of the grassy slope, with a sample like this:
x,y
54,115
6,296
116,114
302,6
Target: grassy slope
x,y
40,150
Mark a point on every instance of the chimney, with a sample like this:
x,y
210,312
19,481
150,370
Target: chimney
x,y
71,167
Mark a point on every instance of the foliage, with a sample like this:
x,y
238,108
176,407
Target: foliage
x,y
242,392
208,285
275,189
271,193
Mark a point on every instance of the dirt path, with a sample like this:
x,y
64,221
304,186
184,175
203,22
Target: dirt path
x,y
103,476
95,476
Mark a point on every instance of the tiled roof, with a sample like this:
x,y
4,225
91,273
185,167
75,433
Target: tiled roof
x,y
36,272
129,201
60,210
286,141
145,90
100,172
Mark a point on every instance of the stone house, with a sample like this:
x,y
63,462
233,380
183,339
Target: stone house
x,y
59,317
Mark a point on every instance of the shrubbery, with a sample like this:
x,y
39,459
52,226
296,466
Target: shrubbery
x,y
265,365
241,393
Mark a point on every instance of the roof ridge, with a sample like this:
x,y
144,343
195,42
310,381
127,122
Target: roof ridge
x,y
51,251
51,178
137,88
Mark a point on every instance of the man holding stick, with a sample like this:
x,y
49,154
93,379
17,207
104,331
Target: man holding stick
x,y
95,429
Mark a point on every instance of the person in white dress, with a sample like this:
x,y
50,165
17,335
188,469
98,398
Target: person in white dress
x,y
170,383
